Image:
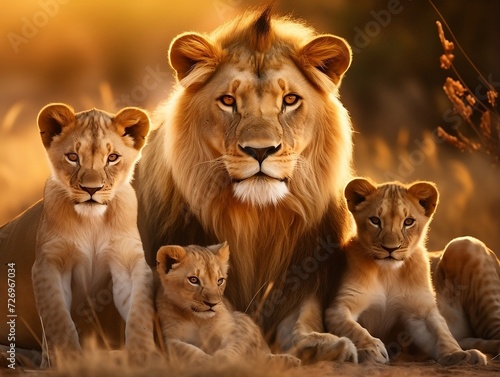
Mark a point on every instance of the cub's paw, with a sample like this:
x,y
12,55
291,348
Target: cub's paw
x,y
284,359
316,347
56,356
141,357
374,352
477,357
178,352
473,357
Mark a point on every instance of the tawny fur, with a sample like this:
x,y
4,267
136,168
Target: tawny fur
x,y
196,324
388,276
88,233
197,184
467,277
186,194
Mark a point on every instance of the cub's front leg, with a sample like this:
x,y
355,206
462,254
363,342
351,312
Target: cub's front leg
x,y
339,320
430,331
182,353
245,340
133,295
52,289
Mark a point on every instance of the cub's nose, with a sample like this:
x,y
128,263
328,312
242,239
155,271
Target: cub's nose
x,y
91,190
210,304
260,154
390,249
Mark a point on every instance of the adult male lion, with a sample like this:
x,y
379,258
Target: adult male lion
x,y
254,147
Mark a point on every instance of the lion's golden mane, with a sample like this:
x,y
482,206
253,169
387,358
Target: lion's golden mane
x,y
185,181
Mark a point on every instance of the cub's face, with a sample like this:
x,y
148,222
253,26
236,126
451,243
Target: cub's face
x,y
391,218
194,277
92,153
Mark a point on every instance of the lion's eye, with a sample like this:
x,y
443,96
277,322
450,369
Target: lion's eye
x,y
72,157
113,158
220,281
228,100
409,222
194,280
290,99
375,221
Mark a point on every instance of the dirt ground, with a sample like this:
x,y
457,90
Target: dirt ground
x,y
324,369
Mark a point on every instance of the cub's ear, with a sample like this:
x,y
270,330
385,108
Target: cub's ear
x,y
329,54
356,192
52,119
192,54
427,195
221,251
133,122
169,256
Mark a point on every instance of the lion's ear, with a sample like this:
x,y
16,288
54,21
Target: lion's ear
x,y
169,256
133,122
192,54
427,195
356,192
52,119
329,54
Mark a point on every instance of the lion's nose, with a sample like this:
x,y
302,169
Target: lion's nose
x,y
91,190
260,154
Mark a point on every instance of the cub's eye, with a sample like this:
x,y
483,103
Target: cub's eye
x,y
375,220
220,281
409,221
72,157
290,99
113,158
194,280
228,100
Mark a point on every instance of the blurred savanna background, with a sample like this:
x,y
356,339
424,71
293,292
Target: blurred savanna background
x,y
110,54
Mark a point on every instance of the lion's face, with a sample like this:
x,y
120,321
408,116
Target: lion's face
x,y
264,112
259,127
92,153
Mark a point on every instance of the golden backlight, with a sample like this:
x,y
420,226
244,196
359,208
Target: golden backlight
x,y
110,54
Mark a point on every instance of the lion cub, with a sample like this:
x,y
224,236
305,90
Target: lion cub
x,y
196,324
388,277
87,234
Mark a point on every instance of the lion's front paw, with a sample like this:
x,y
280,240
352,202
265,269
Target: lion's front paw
x,y
325,347
375,352
472,357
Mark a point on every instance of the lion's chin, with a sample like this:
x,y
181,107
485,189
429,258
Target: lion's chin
x,y
90,209
260,191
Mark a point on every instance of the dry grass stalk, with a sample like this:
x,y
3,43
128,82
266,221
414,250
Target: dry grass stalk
x,y
466,103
